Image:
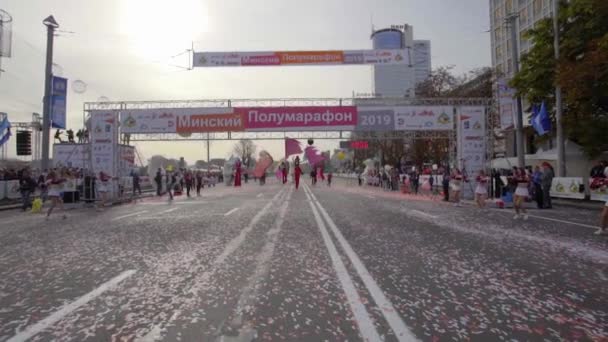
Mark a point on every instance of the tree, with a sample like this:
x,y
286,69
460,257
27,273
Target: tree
x,y
581,71
245,149
443,83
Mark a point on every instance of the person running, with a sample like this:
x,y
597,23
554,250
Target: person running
x,y
481,191
537,178
297,171
189,179
313,176
329,175
158,179
445,182
199,182
55,185
103,187
284,172
171,183
457,179
521,193
27,186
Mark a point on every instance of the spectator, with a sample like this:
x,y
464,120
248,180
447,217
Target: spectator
x,y
136,183
537,180
27,185
70,134
446,186
546,181
598,170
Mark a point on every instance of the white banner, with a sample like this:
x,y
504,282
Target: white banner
x,y
104,137
126,160
293,58
12,189
423,118
567,187
71,155
161,120
471,144
506,104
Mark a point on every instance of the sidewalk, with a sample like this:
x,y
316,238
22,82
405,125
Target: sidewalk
x,y
557,202
81,204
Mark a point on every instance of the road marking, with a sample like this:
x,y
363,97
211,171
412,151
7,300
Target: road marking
x,y
554,220
129,215
370,196
259,195
364,322
69,308
168,210
386,307
199,282
418,212
231,211
249,294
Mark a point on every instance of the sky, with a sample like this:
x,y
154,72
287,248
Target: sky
x,y
128,50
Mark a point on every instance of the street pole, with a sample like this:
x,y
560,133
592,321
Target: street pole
x,y
561,155
519,126
51,25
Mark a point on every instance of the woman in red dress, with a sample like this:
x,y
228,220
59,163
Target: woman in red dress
x,y
237,173
297,171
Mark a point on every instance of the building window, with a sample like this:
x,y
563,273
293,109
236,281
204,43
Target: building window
x,y
498,34
509,66
538,8
509,7
499,52
523,17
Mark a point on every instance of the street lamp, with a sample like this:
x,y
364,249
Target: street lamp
x,y
51,24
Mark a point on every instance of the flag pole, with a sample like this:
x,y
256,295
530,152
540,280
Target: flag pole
x,y
561,155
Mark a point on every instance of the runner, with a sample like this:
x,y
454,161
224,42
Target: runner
x,y
237,173
329,179
171,182
297,171
481,191
103,187
456,186
284,171
55,185
199,182
189,179
521,193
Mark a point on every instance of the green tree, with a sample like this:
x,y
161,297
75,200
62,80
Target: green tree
x,y
581,71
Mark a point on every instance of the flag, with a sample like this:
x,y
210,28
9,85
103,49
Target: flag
x,y
313,155
541,120
292,146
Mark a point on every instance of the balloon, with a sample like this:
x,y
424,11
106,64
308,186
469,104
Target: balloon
x,y
79,86
310,141
341,155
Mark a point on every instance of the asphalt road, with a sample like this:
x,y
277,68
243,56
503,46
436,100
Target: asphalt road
x,y
273,263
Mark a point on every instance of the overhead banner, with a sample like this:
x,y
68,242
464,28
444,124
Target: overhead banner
x,y
180,120
424,118
300,118
375,119
104,139
506,104
471,143
294,58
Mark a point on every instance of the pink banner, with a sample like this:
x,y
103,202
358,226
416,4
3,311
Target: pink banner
x,y
307,118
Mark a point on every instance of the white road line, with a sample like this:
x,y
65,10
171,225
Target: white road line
x,y
259,195
199,282
370,196
69,308
562,221
129,215
418,212
554,220
386,307
364,322
168,210
231,211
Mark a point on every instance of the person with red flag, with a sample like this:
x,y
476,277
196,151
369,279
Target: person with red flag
x,y
297,171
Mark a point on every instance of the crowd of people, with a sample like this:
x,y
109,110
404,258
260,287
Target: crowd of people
x,y
177,180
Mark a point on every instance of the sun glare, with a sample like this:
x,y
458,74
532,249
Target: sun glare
x,y
162,28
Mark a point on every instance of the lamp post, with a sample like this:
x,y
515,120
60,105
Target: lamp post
x,y
51,25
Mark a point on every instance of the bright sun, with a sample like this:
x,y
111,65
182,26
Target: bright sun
x,y
162,28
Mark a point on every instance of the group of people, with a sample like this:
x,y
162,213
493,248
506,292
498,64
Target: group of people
x,y
51,184
177,181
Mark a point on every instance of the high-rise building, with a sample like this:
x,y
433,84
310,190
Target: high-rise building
x,y
400,80
530,12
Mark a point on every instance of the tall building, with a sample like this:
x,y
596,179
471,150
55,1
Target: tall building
x,y
530,12
400,80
